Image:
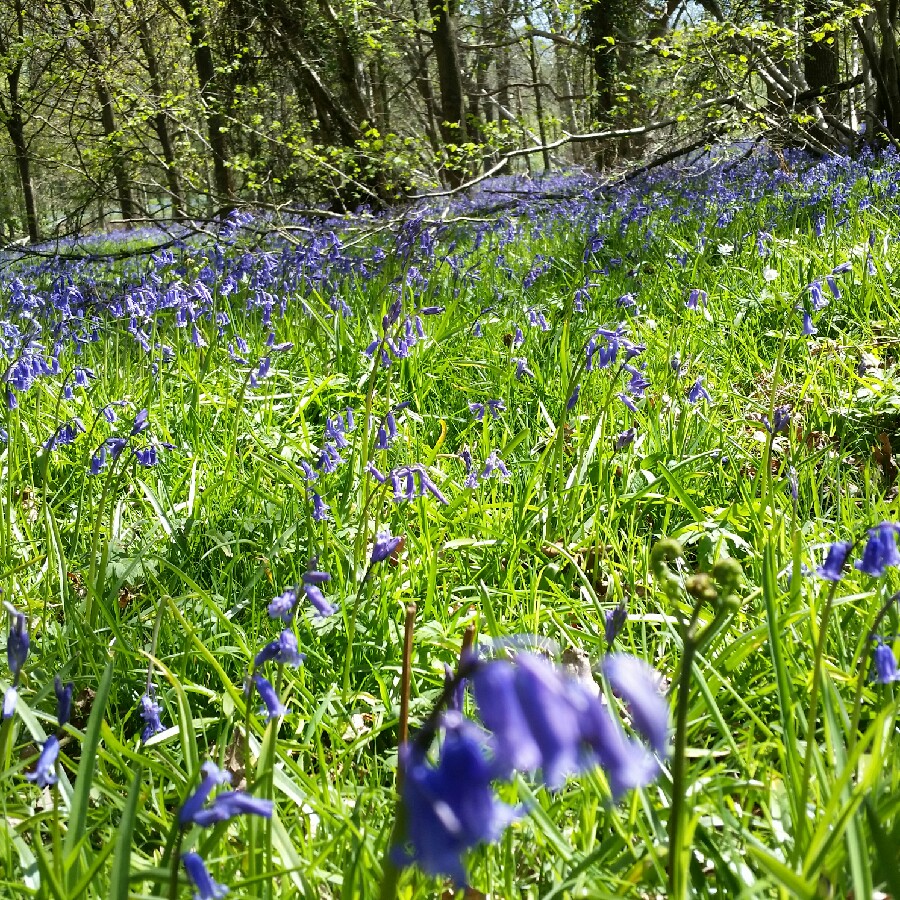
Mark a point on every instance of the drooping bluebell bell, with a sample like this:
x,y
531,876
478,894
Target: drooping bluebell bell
x,y
880,552
628,402
698,392
451,806
273,707
17,645
833,287
63,701
808,327
833,567
431,310
615,620
493,465
496,407
781,418
198,875
213,776
638,684
637,383
385,544
147,456
317,599
140,422
885,664
282,607
98,460
625,438
321,511
818,299
115,446
522,368
282,650
696,296
230,804
150,712
44,773
518,337
573,398
477,410
627,301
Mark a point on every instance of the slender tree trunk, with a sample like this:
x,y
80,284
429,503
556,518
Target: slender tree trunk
x,y
538,102
446,52
212,103
160,121
821,64
15,127
121,177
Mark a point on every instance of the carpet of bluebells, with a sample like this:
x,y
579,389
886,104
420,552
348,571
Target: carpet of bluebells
x,y
537,543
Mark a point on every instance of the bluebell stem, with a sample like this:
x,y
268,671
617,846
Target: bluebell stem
x,y
885,664
45,771
880,552
273,708
63,701
198,875
833,567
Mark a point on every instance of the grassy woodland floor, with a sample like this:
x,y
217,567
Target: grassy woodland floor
x,y
707,356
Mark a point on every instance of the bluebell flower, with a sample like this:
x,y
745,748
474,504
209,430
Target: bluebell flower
x,y
496,407
639,685
44,773
115,446
833,567
522,367
309,473
206,888
625,438
675,364
63,701
615,620
282,650
140,422
880,552
573,398
98,460
477,410
11,401
18,641
431,310
150,712
629,403
282,607
385,544
698,392
514,748
885,664
213,776
518,337
808,327
781,418
230,804
321,511
313,576
147,456
696,296
833,287
450,806
626,762
842,268
317,599
493,464
273,708
627,301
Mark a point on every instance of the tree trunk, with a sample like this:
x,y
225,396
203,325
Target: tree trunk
x,y
446,52
160,122
15,127
120,170
821,65
212,103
